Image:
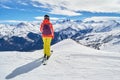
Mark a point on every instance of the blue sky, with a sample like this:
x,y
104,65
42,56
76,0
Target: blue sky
x,y
34,10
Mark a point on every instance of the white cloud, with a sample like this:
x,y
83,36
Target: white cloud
x,y
6,7
64,12
23,3
71,6
95,5
56,7
35,5
80,5
18,21
102,18
11,21
41,18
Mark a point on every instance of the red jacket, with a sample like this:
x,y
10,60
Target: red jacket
x,y
46,21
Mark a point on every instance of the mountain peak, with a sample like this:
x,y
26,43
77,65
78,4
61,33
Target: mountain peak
x,y
22,24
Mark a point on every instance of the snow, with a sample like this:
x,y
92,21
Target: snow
x,y
69,61
104,32
109,41
65,24
20,30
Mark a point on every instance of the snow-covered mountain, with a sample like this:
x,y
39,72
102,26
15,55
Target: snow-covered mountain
x,y
104,35
69,61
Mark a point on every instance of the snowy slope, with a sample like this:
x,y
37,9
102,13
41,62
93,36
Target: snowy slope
x,y
108,41
70,61
104,36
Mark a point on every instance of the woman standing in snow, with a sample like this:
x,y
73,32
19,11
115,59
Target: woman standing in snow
x,y
47,35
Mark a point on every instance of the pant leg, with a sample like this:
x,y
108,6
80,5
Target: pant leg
x,y
48,43
44,45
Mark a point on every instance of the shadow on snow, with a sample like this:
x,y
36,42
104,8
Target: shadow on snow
x,y
25,68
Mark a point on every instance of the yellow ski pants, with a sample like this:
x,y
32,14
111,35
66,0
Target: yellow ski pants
x,y
46,45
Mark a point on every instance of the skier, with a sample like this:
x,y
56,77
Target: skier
x,y
47,35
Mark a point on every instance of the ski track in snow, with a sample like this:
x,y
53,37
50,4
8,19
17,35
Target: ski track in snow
x,y
69,61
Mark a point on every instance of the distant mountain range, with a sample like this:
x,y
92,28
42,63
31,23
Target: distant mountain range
x,y
102,35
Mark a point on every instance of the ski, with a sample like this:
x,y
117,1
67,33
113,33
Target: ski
x,y
44,61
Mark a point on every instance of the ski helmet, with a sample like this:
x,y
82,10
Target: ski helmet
x,y
46,17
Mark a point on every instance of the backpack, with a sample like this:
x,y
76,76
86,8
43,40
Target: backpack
x,y
46,29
